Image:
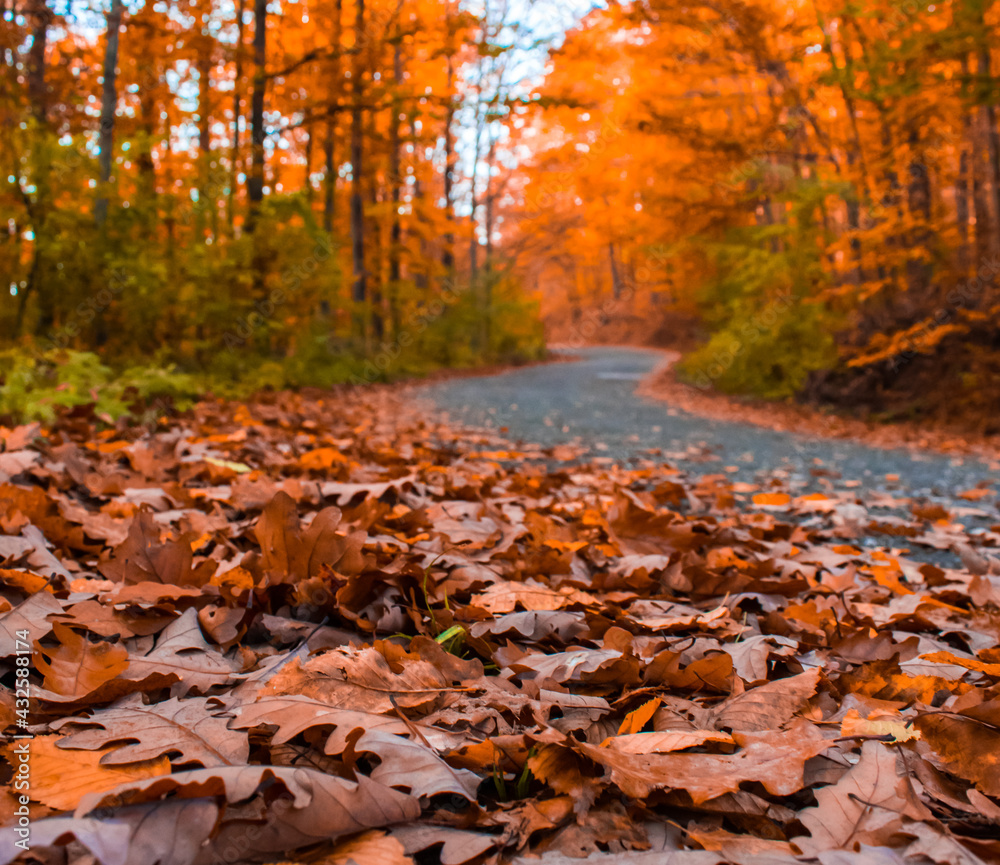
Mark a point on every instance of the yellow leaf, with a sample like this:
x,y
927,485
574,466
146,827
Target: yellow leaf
x,y
772,500
638,718
60,778
239,468
882,725
968,663
321,458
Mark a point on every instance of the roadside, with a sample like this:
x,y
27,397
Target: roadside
x,y
663,384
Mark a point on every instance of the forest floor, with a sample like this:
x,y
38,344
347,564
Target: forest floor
x,y
336,628
664,384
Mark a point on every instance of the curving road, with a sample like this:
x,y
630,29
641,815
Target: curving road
x,y
592,403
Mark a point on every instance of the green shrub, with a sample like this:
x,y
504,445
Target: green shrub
x,y
36,385
769,326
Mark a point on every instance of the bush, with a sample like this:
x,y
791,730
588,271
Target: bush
x,y
37,385
769,325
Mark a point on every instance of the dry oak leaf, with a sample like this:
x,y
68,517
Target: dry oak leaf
x,y
30,615
60,778
885,680
504,596
343,493
866,806
877,724
578,665
534,625
732,845
369,848
187,728
969,663
775,759
294,714
320,807
77,667
968,743
415,767
26,581
362,680
751,656
288,553
143,557
320,459
638,718
767,707
666,741
458,846
935,843
778,501
181,650
168,833
564,769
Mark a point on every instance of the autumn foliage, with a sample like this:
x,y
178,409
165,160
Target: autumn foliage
x,y
817,182
327,629
244,192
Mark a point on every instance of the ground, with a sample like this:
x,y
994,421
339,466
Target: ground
x,y
336,627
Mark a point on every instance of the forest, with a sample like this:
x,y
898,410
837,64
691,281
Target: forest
x,y
814,187
499,432
803,197
253,195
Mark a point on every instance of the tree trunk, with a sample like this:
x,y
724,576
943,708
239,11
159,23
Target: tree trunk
x,y
38,93
374,247
234,160
918,197
980,189
205,192
616,278
333,109
448,256
255,182
109,102
144,159
396,179
992,143
359,293
329,179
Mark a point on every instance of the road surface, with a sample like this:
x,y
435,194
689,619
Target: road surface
x,y
592,403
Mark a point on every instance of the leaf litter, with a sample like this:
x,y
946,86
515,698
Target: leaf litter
x,y
331,629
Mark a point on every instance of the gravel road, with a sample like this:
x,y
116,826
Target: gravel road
x,y
591,403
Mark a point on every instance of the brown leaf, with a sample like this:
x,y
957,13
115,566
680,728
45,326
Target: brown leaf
x,y
167,833
368,848
319,807
665,741
774,759
361,679
78,667
143,557
181,650
414,767
186,728
767,707
967,746
288,553
457,845
30,615
504,597
866,806
294,714
61,779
